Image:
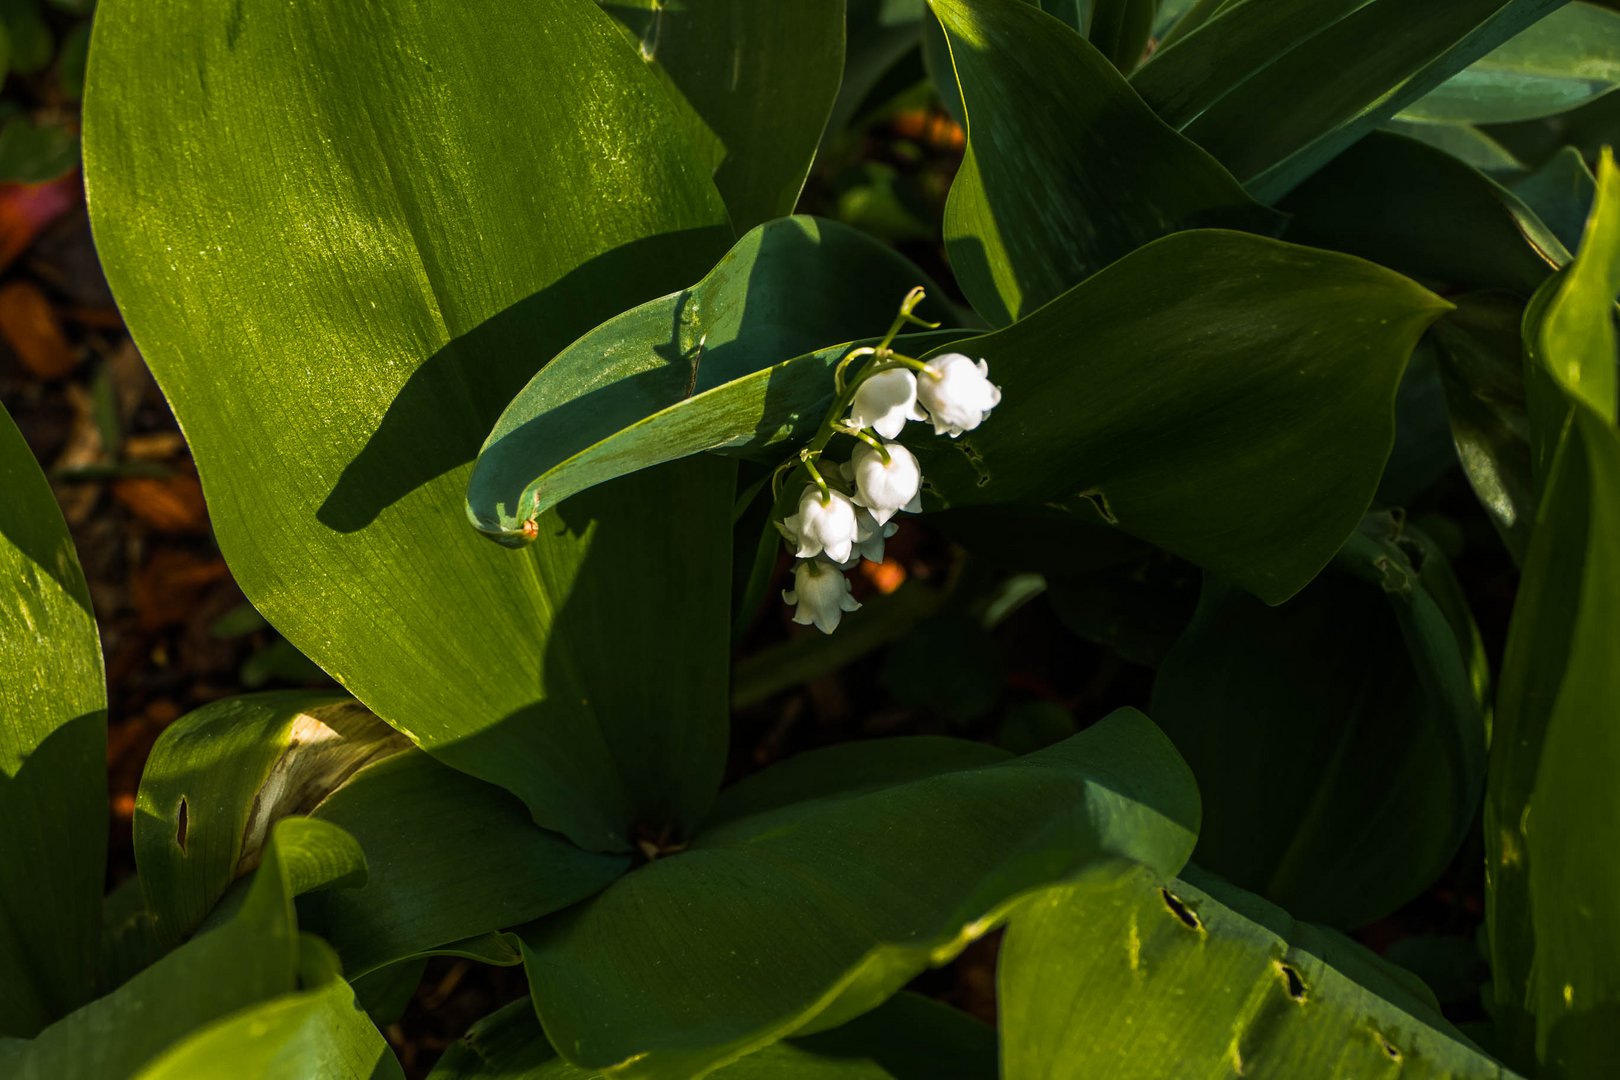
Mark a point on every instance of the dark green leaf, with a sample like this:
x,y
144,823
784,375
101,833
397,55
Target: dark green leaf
x,y
1271,370
1358,692
800,917
760,77
30,37
33,153
1043,103
1482,371
1420,211
451,860
1138,980
907,1038
53,747
248,953
1284,358
220,777
391,216
1276,90
1120,29
316,1032
1467,144
1565,60
787,288
1561,193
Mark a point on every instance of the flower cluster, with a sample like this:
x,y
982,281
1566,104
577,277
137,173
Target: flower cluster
x,y
844,517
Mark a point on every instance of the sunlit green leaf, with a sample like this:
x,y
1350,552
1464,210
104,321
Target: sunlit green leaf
x,y
761,78
220,777
1144,978
317,1032
248,952
53,746
392,215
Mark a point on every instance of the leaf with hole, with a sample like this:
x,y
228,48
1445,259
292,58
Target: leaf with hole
x,y
1143,978
220,777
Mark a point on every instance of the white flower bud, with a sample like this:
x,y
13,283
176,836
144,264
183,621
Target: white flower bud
x,y
959,395
886,488
885,402
818,527
869,544
820,594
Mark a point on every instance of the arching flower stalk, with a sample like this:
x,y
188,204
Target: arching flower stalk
x,y
843,515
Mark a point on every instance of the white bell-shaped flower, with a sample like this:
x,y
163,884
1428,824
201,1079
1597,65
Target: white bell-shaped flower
x,y
870,544
885,402
820,595
958,394
829,526
886,487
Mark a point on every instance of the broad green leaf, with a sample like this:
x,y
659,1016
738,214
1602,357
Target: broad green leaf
x,y
1421,211
1284,358
1565,60
1359,692
451,859
343,238
1571,336
1138,980
1277,89
849,768
1552,811
786,288
1467,144
1120,29
802,916
1041,102
1271,372
908,1037
761,77
316,1032
220,777
53,750
1482,371
246,954
1561,192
